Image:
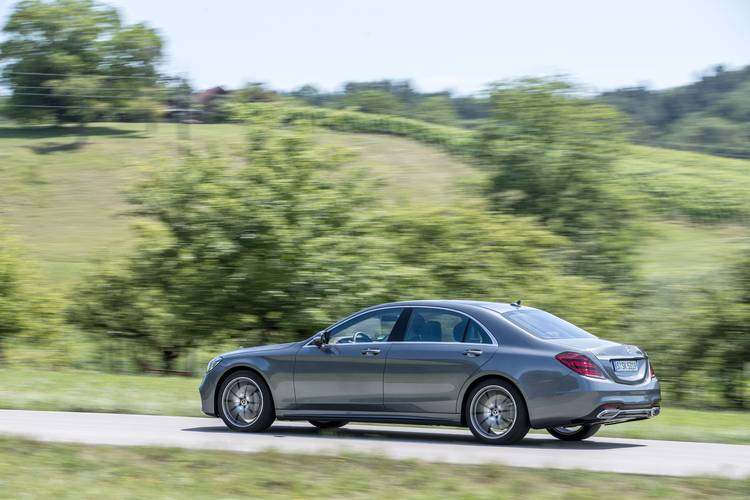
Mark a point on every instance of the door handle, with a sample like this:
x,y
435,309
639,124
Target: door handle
x,y
371,350
473,352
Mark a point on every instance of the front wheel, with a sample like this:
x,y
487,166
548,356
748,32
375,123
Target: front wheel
x,y
328,424
574,432
245,402
496,413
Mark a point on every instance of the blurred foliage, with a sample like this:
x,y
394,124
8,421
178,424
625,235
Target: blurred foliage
x,y
397,97
711,115
553,155
75,60
700,340
373,101
26,311
243,249
687,185
281,243
12,295
452,139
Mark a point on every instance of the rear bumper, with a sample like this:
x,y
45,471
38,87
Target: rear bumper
x,y
611,414
596,402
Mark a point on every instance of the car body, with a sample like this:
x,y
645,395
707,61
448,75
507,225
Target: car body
x,y
450,362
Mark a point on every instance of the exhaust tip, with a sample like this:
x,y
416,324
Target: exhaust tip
x,y
608,413
655,411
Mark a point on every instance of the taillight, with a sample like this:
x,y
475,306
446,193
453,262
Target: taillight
x,y
580,364
651,370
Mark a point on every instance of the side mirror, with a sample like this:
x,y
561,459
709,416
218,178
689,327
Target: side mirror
x,y
321,339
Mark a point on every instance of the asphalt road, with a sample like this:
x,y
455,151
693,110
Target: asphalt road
x,y
400,442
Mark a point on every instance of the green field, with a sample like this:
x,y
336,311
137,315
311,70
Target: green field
x,y
76,390
40,470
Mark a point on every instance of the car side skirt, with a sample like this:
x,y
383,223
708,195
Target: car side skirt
x,y
380,417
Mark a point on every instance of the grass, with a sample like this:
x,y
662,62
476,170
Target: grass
x,y
677,252
681,183
76,390
79,390
41,470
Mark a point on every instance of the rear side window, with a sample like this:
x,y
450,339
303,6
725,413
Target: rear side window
x,y
544,325
475,334
435,325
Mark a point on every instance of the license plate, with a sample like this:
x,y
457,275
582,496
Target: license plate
x,y
626,365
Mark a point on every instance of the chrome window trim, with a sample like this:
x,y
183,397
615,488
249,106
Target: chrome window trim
x,y
494,343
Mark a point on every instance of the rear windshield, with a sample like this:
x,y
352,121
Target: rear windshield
x,y
545,325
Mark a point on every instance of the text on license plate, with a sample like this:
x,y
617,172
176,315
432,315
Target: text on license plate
x,y
626,365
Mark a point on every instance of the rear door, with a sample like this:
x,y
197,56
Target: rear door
x,y
439,351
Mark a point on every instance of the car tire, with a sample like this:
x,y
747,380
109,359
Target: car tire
x,y
257,413
328,424
573,434
496,401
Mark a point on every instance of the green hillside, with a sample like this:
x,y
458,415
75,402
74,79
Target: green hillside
x,y
67,203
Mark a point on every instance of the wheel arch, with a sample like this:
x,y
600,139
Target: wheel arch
x,y
478,380
235,369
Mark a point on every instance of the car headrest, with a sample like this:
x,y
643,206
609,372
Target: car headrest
x,y
414,332
432,332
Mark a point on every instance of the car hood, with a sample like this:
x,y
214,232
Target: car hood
x,y
602,349
259,349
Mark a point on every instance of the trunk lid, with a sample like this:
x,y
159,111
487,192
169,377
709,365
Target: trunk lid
x,y
623,363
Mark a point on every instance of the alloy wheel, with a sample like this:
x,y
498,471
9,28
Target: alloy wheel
x,y
493,411
242,401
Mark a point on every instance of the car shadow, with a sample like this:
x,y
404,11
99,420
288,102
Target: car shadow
x,y
412,435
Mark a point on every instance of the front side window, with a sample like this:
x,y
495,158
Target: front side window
x,y
544,325
374,326
435,325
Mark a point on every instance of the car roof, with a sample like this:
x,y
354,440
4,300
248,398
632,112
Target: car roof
x,y
460,305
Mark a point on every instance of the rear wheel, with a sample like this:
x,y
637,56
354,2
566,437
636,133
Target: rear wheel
x,y
574,432
245,402
496,413
328,424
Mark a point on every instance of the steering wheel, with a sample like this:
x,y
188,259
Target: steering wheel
x,y
363,335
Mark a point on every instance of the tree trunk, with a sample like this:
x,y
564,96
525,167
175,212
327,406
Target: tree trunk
x,y
169,357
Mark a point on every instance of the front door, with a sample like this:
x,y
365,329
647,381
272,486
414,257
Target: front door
x,y
440,350
346,374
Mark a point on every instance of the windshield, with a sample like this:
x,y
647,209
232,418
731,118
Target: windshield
x,y
545,325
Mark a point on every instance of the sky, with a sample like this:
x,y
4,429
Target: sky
x,y
455,45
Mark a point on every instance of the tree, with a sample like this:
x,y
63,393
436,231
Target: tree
x,y
438,109
264,248
74,60
551,154
373,101
11,295
476,254
25,311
